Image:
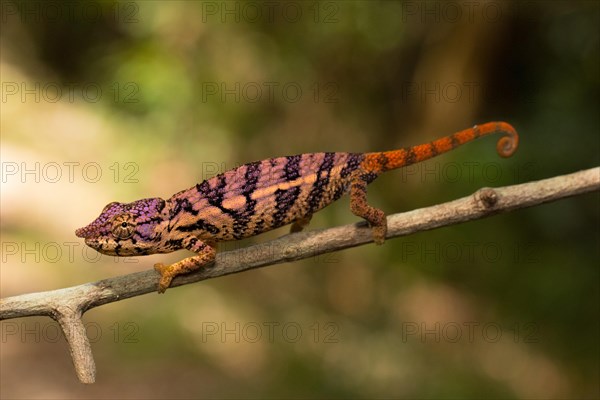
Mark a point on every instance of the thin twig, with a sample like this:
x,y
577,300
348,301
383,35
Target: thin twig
x,y
68,305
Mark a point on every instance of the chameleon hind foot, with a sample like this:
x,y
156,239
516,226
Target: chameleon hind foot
x,y
359,207
379,232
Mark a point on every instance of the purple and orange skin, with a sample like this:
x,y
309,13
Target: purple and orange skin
x,y
258,197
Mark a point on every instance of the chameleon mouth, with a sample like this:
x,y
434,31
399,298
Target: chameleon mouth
x,y
100,247
91,242
94,244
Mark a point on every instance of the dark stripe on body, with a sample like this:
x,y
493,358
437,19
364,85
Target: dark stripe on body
x,y
182,204
315,197
284,200
383,161
292,167
454,142
352,164
243,217
174,244
433,149
199,225
215,196
411,157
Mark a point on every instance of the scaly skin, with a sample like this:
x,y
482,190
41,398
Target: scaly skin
x,y
260,196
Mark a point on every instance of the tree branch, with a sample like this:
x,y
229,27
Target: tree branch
x,y
68,305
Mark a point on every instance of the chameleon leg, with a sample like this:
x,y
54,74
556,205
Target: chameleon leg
x,y
299,224
359,207
206,254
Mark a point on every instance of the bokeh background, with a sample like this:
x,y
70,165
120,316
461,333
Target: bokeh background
x,y
116,101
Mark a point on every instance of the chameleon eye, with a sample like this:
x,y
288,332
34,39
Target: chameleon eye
x,y
122,226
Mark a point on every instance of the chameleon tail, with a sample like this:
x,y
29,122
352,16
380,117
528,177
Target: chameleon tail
x,y
387,160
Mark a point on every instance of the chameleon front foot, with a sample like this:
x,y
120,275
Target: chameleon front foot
x,y
206,255
185,266
166,276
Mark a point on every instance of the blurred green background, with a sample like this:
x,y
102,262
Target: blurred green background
x,y
116,101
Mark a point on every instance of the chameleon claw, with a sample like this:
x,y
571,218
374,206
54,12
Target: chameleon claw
x,y
379,233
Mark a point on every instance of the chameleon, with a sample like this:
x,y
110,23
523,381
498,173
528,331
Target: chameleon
x,y
260,196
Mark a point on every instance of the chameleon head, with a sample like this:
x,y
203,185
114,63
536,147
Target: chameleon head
x,y
126,229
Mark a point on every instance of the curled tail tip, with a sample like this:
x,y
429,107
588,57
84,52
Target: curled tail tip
x,y
508,143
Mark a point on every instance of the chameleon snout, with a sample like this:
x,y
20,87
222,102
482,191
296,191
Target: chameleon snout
x,y
85,233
